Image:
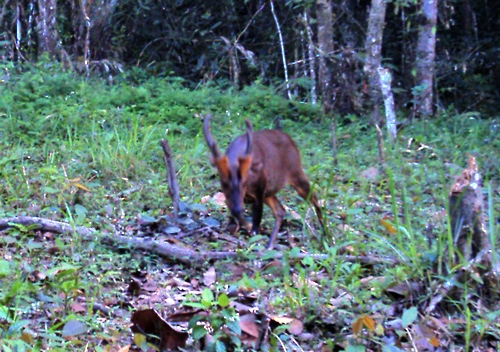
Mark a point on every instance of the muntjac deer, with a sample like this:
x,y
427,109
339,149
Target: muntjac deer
x,y
255,167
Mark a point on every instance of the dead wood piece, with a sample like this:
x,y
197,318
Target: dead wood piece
x,y
334,143
380,146
466,206
481,259
181,254
173,187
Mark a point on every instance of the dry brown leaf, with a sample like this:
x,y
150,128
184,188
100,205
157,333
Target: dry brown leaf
x,y
248,325
357,326
185,316
209,276
424,338
405,288
363,321
219,199
295,327
149,323
242,308
281,320
388,226
372,174
27,337
369,323
78,307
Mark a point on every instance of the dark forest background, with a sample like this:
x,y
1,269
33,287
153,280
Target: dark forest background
x,y
235,43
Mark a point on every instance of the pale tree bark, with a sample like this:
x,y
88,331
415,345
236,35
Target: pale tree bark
x,y
311,57
47,33
325,46
373,49
282,47
373,65
426,52
390,112
48,38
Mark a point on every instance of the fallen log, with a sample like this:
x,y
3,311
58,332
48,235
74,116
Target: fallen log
x,y
167,250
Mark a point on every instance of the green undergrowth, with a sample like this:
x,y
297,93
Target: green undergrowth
x,y
70,148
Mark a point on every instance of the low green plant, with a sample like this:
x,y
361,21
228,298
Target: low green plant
x,y
219,322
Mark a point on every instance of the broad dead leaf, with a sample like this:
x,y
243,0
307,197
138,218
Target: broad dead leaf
x,y
186,315
209,276
78,307
362,321
406,289
295,326
372,174
388,226
219,199
424,338
148,322
248,325
281,320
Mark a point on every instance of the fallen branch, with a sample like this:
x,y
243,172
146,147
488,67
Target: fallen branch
x,y
480,260
182,254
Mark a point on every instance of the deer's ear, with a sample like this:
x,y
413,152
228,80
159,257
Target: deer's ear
x,y
222,166
244,166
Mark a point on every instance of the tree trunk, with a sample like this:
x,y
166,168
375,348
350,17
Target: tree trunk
x,y
47,33
425,57
311,57
325,45
390,111
373,48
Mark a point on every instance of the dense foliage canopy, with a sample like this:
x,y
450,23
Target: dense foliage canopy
x,y
235,43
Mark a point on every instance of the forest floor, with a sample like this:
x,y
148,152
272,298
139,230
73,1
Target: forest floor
x,y
92,258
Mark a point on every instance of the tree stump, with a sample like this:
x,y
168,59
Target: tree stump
x,y
466,206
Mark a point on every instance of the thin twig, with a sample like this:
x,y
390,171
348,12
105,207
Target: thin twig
x,y
380,144
173,188
334,143
282,47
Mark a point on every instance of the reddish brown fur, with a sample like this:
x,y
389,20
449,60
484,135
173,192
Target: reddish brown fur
x,y
255,167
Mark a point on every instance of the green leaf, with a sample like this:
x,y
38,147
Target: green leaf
x,y
194,305
409,316
308,261
73,328
4,268
234,326
354,211
17,327
198,332
34,245
4,314
220,346
294,252
80,211
50,190
355,348
223,300
206,304
207,295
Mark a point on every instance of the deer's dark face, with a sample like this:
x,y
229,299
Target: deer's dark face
x,y
233,180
